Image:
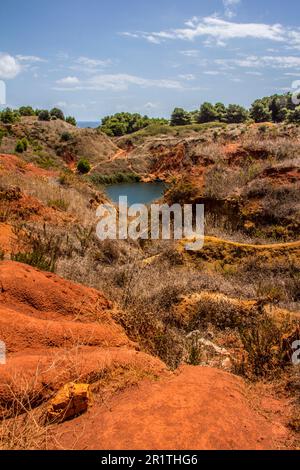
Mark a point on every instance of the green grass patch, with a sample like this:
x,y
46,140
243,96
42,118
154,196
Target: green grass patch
x,y
59,204
116,178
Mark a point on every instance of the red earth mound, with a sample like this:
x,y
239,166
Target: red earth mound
x,y
57,331
198,408
13,164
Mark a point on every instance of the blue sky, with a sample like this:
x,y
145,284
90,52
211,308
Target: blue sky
x,y
94,57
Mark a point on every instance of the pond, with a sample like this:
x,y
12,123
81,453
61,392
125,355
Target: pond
x,y
137,193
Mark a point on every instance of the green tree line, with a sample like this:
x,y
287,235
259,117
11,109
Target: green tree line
x,y
275,108
10,116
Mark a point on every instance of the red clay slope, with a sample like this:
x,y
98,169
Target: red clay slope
x,y
57,331
199,408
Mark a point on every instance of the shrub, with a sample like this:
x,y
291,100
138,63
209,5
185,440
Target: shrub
x,y
44,115
2,134
83,166
25,143
236,114
46,162
45,247
66,136
263,344
71,120
59,204
115,178
35,258
9,116
19,147
57,113
126,123
181,192
26,111
260,112
208,113
180,117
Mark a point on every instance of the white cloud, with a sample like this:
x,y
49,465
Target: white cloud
x,y
211,72
9,66
220,31
68,81
190,53
293,74
256,74
188,77
253,61
30,58
61,104
151,105
115,82
92,63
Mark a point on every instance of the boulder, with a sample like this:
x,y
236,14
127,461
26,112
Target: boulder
x,y
72,400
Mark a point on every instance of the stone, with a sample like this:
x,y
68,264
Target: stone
x,y
72,400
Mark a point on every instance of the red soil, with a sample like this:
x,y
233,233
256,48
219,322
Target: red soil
x,y
12,163
198,408
57,331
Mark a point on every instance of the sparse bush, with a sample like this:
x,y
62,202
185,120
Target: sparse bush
x,y
44,247
9,116
66,136
26,111
44,115
19,147
115,178
59,204
263,343
181,192
71,120
83,166
57,113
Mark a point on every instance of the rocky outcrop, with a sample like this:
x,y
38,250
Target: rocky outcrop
x,y
72,400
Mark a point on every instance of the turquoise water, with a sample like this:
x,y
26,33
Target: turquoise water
x,y
137,193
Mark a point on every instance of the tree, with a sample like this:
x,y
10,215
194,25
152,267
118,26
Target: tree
x,y
71,120
236,114
83,166
207,113
8,116
44,115
221,112
180,117
294,116
26,111
57,113
260,112
126,123
277,104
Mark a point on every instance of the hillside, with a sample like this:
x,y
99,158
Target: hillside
x,y
131,340
55,144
